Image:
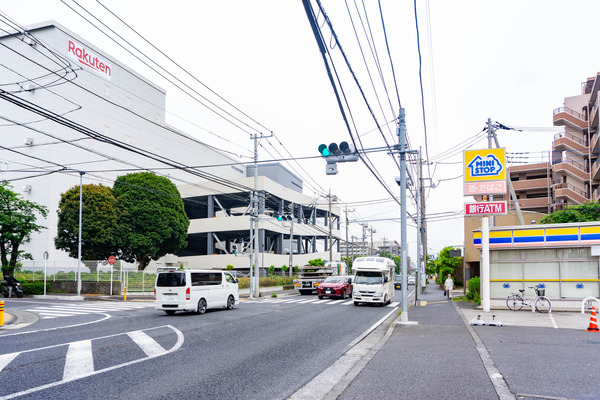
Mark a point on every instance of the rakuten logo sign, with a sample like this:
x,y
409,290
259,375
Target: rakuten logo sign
x,y
89,59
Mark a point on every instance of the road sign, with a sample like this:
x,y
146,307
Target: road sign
x,y
486,208
485,165
112,260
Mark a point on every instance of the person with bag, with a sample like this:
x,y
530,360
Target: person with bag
x,y
448,286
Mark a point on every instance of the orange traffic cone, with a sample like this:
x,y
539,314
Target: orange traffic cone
x,y
593,321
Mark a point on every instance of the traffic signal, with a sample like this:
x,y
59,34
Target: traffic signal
x,y
284,218
344,148
335,153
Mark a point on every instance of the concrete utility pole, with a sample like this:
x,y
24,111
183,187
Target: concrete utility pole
x,y
418,285
79,233
291,266
372,248
490,138
403,231
330,233
347,259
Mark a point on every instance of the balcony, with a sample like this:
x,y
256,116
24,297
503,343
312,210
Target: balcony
x,y
568,191
596,169
530,184
564,115
539,204
567,141
571,167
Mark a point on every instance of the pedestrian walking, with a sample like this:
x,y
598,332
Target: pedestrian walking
x,y
449,285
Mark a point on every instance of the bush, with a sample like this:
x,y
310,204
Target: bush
x,y
473,290
443,275
30,288
244,283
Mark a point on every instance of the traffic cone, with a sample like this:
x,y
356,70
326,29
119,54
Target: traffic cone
x,y
593,321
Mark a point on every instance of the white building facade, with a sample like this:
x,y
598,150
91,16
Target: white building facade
x,y
69,110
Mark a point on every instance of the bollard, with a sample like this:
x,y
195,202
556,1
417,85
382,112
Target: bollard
x,y
1,313
125,294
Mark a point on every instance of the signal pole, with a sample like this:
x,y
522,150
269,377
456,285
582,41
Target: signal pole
x,y
330,233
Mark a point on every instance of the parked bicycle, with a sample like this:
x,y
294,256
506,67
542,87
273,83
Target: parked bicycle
x,y
540,302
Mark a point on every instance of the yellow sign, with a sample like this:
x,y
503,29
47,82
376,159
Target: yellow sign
x,y
485,165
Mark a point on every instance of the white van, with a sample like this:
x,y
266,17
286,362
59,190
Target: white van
x,y
194,290
373,280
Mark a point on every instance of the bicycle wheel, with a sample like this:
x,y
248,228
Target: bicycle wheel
x,y
542,304
514,302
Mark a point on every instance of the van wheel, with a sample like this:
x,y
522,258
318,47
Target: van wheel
x,y
230,302
201,306
170,312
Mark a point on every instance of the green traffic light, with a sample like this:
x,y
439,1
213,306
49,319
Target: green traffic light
x,y
279,218
324,150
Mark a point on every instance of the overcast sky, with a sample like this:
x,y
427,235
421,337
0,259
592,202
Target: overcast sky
x,y
511,61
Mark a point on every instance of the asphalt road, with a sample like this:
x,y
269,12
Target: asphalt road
x,y
259,350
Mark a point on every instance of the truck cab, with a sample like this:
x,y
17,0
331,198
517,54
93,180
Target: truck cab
x,y
373,281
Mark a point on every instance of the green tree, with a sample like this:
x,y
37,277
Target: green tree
x,y
316,262
99,234
445,264
17,222
152,218
585,212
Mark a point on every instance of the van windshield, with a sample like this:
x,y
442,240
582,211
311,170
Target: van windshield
x,y
368,278
170,279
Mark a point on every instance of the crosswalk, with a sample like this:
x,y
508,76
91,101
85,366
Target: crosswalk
x,y
306,300
69,310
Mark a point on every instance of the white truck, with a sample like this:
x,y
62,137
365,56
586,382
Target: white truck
x,y
373,280
311,276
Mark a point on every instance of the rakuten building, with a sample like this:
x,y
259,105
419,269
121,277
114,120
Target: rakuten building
x,y
62,98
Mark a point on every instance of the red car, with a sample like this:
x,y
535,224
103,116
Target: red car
x,y
335,286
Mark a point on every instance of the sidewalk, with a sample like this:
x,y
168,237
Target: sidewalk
x,y
432,359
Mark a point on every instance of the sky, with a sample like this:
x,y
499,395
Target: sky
x,y
511,61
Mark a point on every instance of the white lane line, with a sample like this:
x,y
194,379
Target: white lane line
x,y
5,359
347,303
393,304
54,314
177,346
106,316
309,301
56,311
79,360
322,301
150,346
553,321
375,325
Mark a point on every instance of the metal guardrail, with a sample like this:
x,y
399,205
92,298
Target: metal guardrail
x,y
570,136
564,185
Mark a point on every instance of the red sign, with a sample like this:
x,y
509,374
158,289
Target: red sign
x,y
111,260
487,208
479,188
89,59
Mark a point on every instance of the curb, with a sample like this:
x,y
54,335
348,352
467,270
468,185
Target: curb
x,y
18,319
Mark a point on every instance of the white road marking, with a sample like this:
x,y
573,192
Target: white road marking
x,y
6,359
309,301
150,346
176,347
106,316
553,321
79,360
393,304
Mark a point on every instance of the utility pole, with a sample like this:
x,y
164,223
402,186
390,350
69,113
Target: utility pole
x,y
372,248
490,138
291,268
330,233
347,259
254,219
79,234
418,285
402,143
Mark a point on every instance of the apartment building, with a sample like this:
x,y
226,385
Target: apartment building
x,y
572,174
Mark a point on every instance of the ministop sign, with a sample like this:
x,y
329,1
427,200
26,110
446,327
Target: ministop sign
x,y
112,260
485,165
